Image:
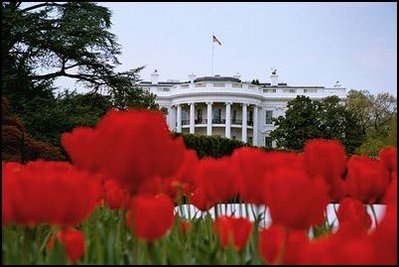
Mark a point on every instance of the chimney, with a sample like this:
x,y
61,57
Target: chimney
x,y
274,77
237,75
191,77
154,77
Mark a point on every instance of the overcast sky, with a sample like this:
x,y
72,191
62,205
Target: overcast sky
x,y
308,43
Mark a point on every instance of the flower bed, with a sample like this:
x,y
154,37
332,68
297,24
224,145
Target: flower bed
x,y
121,201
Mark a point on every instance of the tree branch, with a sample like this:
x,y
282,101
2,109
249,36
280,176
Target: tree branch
x,y
39,6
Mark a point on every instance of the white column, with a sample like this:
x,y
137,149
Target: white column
x,y
192,110
244,123
178,119
255,127
169,118
209,119
228,119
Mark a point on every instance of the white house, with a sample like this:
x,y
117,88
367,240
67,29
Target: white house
x,y
229,107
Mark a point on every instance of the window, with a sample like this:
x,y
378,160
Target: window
x,y
217,84
199,115
217,115
236,85
249,139
269,115
234,115
250,117
269,90
234,137
268,142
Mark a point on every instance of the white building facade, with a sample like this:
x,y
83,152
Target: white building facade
x,y
229,107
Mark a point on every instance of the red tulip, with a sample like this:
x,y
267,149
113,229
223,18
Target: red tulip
x,y
367,179
74,243
385,237
150,217
389,157
233,231
116,197
275,160
295,200
250,164
391,194
145,148
216,179
324,158
186,173
278,246
353,215
47,192
199,200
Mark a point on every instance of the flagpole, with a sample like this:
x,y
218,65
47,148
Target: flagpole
x,y
213,44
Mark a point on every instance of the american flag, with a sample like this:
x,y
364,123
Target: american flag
x,y
216,40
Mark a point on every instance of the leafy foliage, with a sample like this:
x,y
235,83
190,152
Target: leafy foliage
x,y
44,41
306,119
378,119
17,145
210,146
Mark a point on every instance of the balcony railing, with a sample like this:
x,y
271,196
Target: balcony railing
x,y
219,121
201,121
215,121
236,121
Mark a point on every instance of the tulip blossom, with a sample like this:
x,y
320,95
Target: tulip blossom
x,y
326,159
353,215
294,199
250,164
150,217
47,192
73,241
128,146
280,245
115,196
199,200
216,179
367,179
389,157
233,231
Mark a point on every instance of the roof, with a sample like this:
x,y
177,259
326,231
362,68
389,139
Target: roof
x,y
217,78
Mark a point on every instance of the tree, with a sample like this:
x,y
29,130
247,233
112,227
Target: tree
x,y
374,112
67,111
44,41
378,118
48,40
337,122
298,125
306,119
17,145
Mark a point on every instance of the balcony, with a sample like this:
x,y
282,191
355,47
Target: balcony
x,y
218,121
235,121
215,121
201,121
